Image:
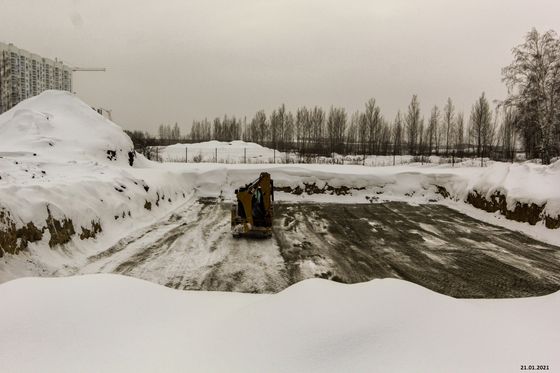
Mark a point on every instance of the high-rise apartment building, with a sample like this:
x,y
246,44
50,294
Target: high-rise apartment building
x,y
24,74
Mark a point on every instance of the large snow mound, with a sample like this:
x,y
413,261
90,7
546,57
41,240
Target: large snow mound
x,y
113,323
57,124
224,152
61,160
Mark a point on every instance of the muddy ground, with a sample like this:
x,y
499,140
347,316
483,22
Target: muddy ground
x,y
430,245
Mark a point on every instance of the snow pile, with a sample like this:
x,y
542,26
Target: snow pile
x,y
56,125
65,178
223,152
113,323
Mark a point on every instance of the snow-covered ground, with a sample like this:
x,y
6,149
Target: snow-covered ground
x,y
60,160
65,171
104,323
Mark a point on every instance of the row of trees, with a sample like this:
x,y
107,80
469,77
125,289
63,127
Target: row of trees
x,y
529,116
226,129
317,131
167,132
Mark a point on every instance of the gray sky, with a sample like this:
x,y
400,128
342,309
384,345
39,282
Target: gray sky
x,y
174,61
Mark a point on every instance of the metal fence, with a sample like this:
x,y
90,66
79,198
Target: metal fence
x,y
258,155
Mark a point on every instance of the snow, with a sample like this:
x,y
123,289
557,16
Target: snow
x,y
113,323
226,152
75,178
57,125
54,154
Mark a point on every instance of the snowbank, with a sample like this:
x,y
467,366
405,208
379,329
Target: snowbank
x,y
113,323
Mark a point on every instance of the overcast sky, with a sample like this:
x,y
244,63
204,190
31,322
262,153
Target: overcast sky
x,y
174,61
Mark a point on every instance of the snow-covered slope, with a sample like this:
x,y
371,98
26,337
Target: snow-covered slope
x,y
105,323
66,178
56,125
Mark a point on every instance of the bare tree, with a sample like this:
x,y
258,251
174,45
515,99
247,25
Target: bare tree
x,y
303,129
317,124
372,120
288,135
448,121
460,134
352,134
397,134
481,126
432,129
412,122
507,133
533,81
336,126
277,122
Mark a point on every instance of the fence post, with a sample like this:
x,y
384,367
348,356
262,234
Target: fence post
x,y
274,156
216,155
245,155
186,155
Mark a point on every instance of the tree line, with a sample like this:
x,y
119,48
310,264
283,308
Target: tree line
x,y
528,118
316,131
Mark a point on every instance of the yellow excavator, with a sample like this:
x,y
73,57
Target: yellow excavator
x,y
251,213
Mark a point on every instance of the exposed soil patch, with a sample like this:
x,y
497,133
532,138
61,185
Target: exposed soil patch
x,y
91,233
312,188
13,240
61,230
442,191
523,212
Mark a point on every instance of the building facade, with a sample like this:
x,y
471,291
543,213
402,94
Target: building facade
x,y
24,74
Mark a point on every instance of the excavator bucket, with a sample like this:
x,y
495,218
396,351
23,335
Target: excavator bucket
x,y
251,213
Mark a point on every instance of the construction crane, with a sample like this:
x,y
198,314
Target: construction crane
x,y
88,69
76,68
102,69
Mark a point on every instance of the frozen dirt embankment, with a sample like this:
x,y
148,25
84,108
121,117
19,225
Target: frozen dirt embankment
x,y
522,192
125,324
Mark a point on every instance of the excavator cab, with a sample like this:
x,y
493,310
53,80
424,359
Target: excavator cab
x,y
251,213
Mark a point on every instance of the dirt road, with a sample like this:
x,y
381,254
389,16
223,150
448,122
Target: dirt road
x,y
430,245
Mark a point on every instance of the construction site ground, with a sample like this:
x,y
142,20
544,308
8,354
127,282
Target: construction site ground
x,y
431,245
